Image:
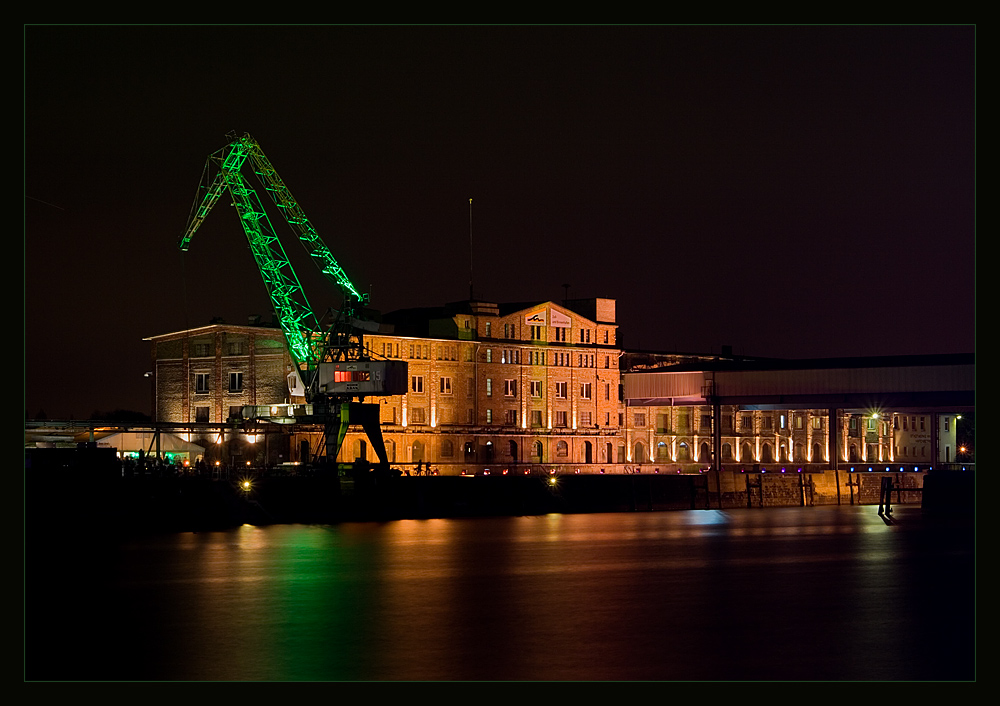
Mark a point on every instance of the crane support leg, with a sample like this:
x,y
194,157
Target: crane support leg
x,y
367,415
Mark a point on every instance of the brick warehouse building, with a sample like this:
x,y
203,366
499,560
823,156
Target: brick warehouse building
x,y
511,387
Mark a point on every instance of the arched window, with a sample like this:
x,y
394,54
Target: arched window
x,y
765,454
562,449
447,448
683,452
360,450
662,452
512,449
639,453
417,452
489,451
746,455
536,450
704,454
817,454
727,452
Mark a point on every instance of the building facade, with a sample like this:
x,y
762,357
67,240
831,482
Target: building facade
x,y
516,388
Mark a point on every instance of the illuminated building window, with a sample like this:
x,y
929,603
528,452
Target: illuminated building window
x,y
818,422
445,386
510,388
561,390
489,416
782,421
201,382
489,387
417,383
536,388
489,355
871,425
236,382
798,421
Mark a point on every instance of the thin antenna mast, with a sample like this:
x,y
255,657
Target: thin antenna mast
x,y
470,251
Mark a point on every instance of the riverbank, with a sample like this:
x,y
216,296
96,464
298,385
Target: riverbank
x,y
189,503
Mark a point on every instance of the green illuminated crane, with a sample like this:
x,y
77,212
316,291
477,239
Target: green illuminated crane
x,y
331,361
307,342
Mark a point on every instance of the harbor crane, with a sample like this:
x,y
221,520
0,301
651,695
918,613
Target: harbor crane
x,y
331,361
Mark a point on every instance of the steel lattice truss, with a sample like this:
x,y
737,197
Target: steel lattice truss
x,y
307,342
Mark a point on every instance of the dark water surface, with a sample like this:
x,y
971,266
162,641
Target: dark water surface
x,y
793,593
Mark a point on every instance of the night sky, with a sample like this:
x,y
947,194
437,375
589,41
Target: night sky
x,y
791,192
